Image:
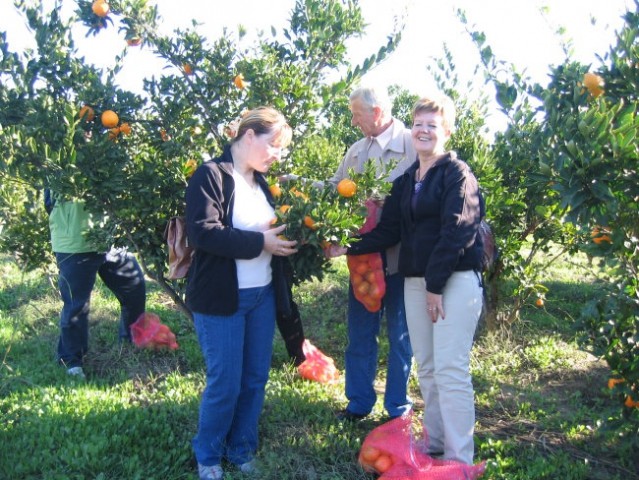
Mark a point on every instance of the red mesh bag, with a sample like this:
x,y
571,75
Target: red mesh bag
x,y
393,451
367,271
317,366
148,332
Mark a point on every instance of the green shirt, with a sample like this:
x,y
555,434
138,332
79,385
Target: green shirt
x,y
68,223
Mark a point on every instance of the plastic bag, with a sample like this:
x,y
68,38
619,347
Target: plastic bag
x,y
396,453
149,332
367,271
317,366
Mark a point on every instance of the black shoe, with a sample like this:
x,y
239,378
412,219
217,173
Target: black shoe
x,y
348,416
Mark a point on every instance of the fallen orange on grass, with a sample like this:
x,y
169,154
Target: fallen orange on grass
x,y
346,188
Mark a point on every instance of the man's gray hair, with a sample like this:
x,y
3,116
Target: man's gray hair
x,y
373,97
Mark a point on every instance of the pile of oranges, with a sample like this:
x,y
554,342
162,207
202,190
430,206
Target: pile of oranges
x,y
374,460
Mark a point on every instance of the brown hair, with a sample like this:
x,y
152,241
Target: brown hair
x,y
265,120
442,104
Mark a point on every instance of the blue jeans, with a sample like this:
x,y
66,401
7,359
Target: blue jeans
x,y
120,272
362,352
237,351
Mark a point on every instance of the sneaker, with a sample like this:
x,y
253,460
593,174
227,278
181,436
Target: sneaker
x,y
76,372
214,472
249,468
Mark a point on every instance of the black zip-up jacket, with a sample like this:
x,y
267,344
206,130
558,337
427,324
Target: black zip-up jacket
x,y
212,287
439,235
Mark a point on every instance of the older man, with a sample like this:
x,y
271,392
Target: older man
x,y
385,140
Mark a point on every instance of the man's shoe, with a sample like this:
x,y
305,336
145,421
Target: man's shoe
x,y
348,416
76,372
214,472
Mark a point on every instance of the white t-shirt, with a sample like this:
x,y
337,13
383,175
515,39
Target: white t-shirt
x,y
252,212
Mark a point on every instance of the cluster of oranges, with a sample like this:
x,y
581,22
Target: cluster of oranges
x,y
109,119
374,460
367,278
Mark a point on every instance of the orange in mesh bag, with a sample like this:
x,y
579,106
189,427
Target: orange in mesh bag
x,y
148,332
367,271
396,453
317,366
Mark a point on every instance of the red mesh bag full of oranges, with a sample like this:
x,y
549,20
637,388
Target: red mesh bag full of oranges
x,y
394,452
367,271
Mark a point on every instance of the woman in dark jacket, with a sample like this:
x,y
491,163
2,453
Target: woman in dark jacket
x,y
434,210
233,283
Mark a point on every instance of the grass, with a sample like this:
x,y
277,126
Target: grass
x,y
543,411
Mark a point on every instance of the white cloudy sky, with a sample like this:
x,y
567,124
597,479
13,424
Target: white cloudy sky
x,y
515,29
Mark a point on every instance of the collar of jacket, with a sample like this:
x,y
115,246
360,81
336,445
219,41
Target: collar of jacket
x,y
447,158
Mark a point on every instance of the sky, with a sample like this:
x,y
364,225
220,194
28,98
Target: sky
x,y
515,29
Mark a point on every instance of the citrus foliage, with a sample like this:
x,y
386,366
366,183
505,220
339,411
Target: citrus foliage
x,y
568,160
133,163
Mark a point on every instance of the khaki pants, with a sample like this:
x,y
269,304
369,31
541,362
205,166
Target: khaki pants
x,y
442,354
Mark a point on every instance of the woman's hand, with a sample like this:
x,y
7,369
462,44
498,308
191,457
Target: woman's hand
x,y
434,306
332,251
278,245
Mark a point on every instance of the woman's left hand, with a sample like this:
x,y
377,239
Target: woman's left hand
x,y
434,306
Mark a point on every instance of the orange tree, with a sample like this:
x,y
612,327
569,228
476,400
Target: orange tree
x,y
136,172
590,154
568,161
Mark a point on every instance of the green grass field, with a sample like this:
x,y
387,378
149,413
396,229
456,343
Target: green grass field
x,y
543,408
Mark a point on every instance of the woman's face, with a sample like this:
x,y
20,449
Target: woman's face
x,y
265,150
429,133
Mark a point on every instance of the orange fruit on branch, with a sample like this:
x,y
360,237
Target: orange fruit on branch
x,y
275,190
239,81
86,113
346,188
109,119
614,381
125,128
309,222
188,70
600,235
134,42
100,8
594,83
539,302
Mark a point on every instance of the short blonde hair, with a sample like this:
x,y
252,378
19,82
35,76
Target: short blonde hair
x,y
441,104
265,120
